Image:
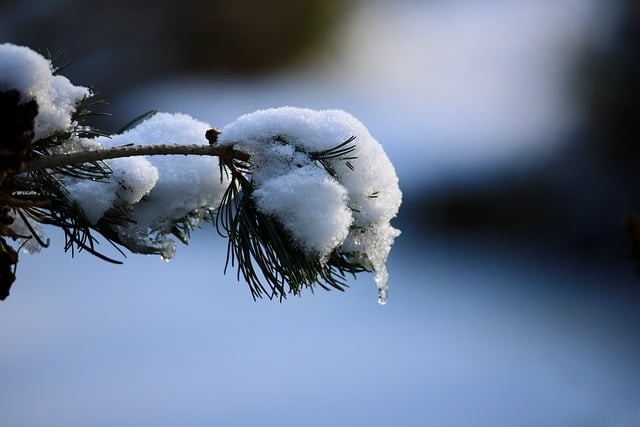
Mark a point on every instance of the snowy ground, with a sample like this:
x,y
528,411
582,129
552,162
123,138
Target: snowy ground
x,y
472,335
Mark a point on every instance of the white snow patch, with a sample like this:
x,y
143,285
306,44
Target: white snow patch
x,y
32,75
185,183
131,178
157,190
27,241
321,222
182,185
347,210
93,197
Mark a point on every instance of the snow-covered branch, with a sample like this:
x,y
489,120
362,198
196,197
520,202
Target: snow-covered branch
x,y
304,197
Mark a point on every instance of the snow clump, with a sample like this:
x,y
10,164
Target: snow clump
x,y
343,204
158,191
32,75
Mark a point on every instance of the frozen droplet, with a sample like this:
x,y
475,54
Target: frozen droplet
x,y
31,246
382,277
28,243
168,251
383,295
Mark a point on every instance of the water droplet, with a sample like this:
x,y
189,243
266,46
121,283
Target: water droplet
x,y
383,295
168,251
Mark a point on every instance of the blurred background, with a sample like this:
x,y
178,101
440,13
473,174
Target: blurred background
x,y
514,299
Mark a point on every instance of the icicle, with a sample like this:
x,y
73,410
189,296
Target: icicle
x,y
382,277
383,295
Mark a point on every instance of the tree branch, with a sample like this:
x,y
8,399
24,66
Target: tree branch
x,y
60,160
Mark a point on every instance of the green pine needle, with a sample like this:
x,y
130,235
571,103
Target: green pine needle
x,y
264,253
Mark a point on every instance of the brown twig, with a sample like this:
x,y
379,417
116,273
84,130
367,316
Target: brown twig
x,y
61,160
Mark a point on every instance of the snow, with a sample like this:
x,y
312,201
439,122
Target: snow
x,y
32,75
28,244
347,208
130,180
159,190
319,221
327,201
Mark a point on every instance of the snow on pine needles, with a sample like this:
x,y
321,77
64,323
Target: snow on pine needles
x,y
33,77
309,199
157,192
325,179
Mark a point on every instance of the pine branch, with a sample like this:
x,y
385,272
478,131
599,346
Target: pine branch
x,y
266,254
62,160
39,185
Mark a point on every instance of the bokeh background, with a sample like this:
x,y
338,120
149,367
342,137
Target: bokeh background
x,y
514,301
